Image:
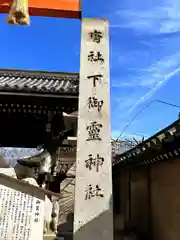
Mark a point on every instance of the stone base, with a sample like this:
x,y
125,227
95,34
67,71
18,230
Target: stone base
x,y
49,237
65,235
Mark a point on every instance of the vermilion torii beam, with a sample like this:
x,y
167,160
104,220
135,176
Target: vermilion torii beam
x,y
49,8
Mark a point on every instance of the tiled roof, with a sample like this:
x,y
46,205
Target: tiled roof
x,y
39,81
162,145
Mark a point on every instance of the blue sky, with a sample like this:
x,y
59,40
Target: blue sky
x,y
145,56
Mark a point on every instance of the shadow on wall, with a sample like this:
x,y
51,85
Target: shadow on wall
x,y
89,231
68,225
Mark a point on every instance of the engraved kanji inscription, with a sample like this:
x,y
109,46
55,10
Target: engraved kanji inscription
x,y
95,57
96,78
96,36
94,131
94,162
91,193
93,102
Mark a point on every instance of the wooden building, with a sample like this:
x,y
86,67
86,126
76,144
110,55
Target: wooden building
x,y
146,184
35,110
32,107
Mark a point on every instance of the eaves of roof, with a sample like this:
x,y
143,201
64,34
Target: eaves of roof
x,y
166,136
42,82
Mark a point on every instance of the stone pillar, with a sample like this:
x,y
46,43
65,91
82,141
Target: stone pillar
x,y
93,216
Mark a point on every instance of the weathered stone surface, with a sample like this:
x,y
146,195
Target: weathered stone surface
x,y
47,204
31,181
93,215
50,224
9,172
3,164
23,171
22,210
48,210
50,237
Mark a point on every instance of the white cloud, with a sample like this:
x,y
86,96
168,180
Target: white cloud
x,y
147,82
157,75
163,17
126,101
149,58
119,84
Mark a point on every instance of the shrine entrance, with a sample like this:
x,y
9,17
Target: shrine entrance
x,y
32,106
36,110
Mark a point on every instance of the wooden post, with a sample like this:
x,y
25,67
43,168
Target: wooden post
x,y
93,217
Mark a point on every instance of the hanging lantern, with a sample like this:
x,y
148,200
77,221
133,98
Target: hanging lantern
x,y
19,14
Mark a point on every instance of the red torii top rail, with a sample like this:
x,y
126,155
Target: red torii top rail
x,y
49,8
